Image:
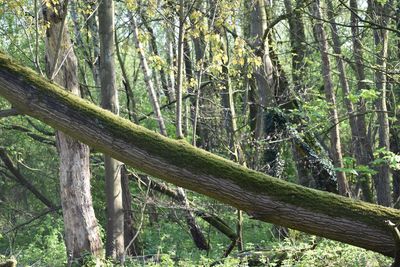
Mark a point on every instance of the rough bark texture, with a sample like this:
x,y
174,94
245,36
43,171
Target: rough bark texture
x,y
109,100
81,230
263,197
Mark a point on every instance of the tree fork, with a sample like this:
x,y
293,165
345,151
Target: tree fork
x,y
261,196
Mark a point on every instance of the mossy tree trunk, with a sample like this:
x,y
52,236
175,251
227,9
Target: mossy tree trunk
x,y
261,196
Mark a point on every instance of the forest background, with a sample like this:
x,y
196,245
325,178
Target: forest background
x,y
305,91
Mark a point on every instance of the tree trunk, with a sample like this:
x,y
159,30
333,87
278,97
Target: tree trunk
x,y
229,117
298,45
109,100
179,85
80,224
380,17
130,231
171,62
263,75
299,48
147,77
330,98
346,89
131,100
366,156
155,51
261,196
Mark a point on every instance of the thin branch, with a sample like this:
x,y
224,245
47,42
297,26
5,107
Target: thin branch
x,y
22,180
40,215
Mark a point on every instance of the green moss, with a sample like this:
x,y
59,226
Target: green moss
x,y
197,161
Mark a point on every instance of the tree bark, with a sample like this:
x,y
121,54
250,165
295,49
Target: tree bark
x,y
345,88
297,42
147,77
229,117
263,75
380,15
80,224
298,45
179,85
130,231
336,149
261,196
155,51
366,156
109,100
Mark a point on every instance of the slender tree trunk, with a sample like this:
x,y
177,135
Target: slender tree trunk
x,y
155,51
298,45
330,98
345,87
297,42
130,232
198,131
80,224
395,140
171,63
366,156
179,132
147,77
229,116
197,235
94,36
109,100
263,75
131,101
381,17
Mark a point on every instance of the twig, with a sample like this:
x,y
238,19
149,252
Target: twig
x,y
33,219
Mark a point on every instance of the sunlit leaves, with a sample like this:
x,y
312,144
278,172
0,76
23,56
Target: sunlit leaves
x,y
384,156
157,62
366,94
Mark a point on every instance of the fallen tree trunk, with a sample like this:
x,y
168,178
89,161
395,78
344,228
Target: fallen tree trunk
x,y
262,197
